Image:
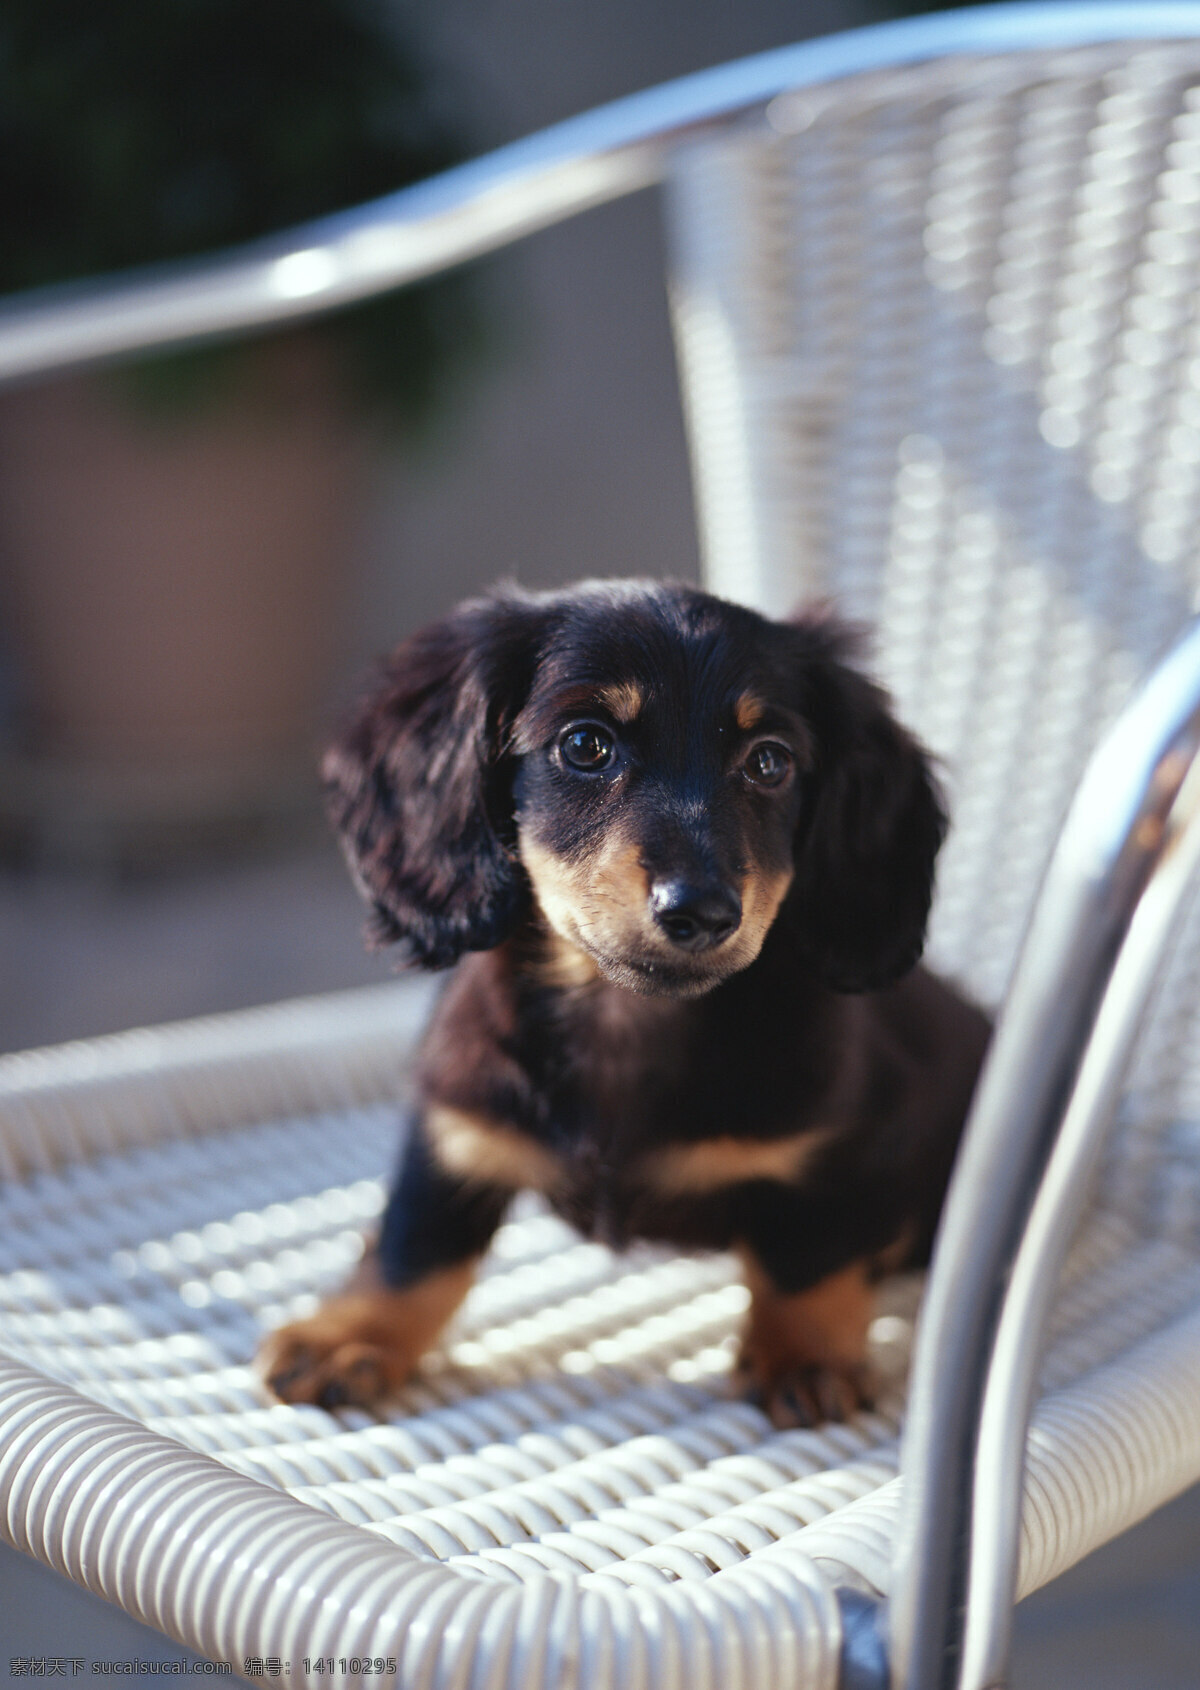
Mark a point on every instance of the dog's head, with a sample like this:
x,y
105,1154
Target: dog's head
x,y
661,774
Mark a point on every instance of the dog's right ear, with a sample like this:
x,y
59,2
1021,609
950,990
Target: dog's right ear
x,y
419,783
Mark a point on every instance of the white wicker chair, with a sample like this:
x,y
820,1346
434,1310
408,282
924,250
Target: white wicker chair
x,y
935,293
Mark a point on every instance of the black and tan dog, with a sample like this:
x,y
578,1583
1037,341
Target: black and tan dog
x,y
686,856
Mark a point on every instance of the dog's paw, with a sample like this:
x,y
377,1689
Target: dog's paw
x,y
360,1349
803,1356
808,1394
339,1357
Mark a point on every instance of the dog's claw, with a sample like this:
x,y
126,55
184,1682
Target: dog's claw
x,y
332,1375
360,1349
810,1394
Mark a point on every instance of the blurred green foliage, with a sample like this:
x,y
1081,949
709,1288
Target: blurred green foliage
x,y
139,131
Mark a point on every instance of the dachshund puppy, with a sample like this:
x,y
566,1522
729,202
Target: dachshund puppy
x,y
685,856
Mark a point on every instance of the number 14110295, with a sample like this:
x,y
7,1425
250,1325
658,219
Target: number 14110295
x,y
362,1664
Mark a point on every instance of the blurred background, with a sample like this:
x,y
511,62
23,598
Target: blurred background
x,y
199,557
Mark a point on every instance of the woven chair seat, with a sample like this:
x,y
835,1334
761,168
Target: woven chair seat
x,y
173,1194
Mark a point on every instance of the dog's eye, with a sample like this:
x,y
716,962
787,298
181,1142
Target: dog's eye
x,y
768,764
587,746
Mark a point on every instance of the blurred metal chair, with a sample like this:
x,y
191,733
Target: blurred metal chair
x,y
935,293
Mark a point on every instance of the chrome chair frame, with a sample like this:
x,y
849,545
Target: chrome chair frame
x,y
1116,884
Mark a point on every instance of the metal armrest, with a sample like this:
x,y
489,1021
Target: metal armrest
x,y
463,213
1108,906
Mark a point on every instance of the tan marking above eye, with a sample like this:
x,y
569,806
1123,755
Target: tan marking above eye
x,y
475,1147
749,711
623,700
682,1170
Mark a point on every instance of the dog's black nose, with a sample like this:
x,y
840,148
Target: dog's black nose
x,y
694,916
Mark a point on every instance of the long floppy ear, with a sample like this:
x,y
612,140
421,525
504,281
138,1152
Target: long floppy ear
x,y
419,786
871,828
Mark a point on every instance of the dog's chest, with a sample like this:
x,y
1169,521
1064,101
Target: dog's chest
x,y
634,1116
614,1073
652,1125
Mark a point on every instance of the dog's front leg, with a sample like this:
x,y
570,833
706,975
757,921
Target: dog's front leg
x,y
804,1353
365,1343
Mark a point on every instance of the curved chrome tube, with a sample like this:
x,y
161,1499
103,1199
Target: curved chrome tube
x,y
1111,898
514,191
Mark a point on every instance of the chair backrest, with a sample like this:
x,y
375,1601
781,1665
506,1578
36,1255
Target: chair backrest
x,y
939,330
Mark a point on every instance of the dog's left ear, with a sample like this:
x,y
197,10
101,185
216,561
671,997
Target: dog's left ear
x,y
871,829
419,782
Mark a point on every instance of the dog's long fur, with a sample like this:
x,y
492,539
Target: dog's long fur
x,y
685,856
